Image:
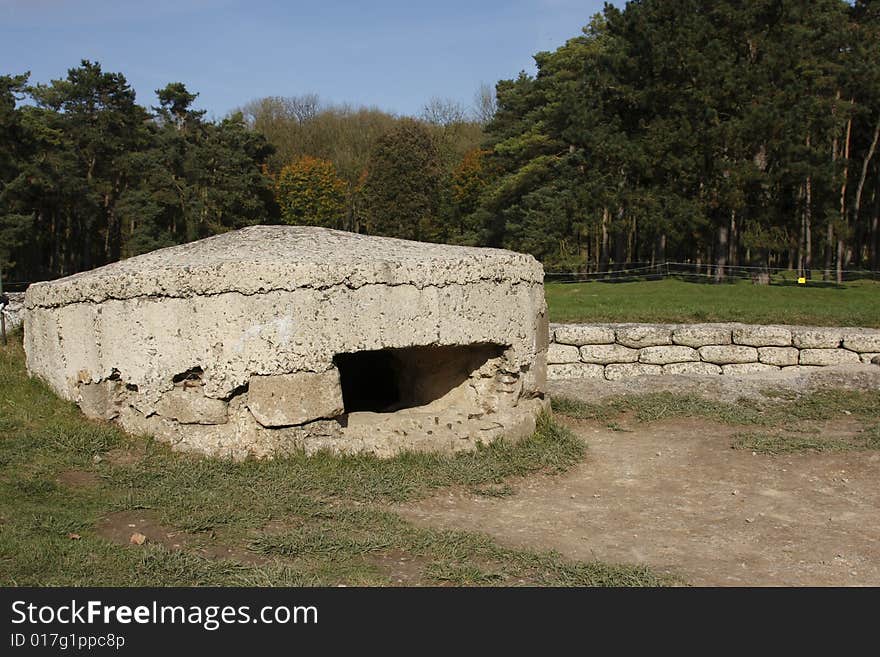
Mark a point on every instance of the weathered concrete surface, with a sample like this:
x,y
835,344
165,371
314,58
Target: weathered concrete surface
x,y
816,338
286,400
227,346
608,353
579,335
795,380
739,369
562,353
189,406
617,371
644,335
575,371
13,312
692,369
762,336
828,357
781,356
668,355
862,341
730,354
701,335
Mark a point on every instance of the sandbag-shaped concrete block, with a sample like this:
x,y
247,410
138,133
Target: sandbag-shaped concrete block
x,y
828,357
762,336
862,341
603,354
809,337
667,355
644,335
701,335
728,355
579,335
575,371
780,356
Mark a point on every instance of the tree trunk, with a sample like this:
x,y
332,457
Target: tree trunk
x,y
732,245
620,236
875,241
721,258
857,202
802,231
829,251
840,244
658,257
808,226
633,242
829,229
875,231
604,253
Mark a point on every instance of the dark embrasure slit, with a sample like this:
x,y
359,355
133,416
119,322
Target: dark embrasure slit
x,y
387,380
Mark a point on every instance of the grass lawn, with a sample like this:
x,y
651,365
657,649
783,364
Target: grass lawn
x,y
672,300
73,492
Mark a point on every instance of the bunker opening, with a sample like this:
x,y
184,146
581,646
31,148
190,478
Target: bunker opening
x,y
389,380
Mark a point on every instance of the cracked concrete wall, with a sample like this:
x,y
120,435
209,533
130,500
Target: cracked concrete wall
x,y
260,313
619,351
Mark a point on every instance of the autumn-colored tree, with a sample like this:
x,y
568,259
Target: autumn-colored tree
x,y
309,192
469,179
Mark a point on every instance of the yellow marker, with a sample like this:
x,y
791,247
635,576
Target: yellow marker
x,y
802,281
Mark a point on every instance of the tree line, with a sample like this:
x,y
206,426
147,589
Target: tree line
x,y
89,176
724,132
716,132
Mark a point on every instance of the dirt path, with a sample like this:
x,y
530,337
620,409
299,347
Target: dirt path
x,y
675,496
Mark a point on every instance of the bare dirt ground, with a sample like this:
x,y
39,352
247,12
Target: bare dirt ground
x,y
119,527
674,495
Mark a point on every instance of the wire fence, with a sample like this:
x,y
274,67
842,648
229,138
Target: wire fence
x,y
688,271
705,272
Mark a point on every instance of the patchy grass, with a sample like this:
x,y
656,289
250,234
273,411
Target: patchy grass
x,y
794,420
652,407
672,300
792,442
294,521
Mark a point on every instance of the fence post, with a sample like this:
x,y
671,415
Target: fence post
x,y
2,309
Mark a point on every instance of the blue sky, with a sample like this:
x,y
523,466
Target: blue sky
x,y
389,53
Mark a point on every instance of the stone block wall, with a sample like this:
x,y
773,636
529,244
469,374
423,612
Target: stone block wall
x,y
12,312
618,351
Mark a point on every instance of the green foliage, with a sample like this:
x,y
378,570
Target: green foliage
x,y
707,131
729,133
401,193
88,176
